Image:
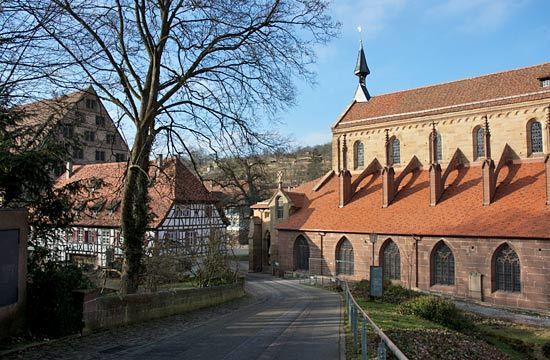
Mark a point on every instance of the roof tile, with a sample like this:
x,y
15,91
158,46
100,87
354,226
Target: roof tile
x,y
518,210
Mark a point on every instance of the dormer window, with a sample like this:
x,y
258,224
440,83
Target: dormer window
x,y
545,82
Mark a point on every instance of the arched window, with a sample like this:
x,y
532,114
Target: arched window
x,y
391,261
438,148
395,151
279,207
359,154
344,258
535,137
479,143
506,269
443,265
301,253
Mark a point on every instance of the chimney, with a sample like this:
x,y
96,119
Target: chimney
x,y
69,169
345,177
436,185
388,176
159,160
488,167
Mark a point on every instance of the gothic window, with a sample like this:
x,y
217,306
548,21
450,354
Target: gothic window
x,y
479,143
301,253
535,137
279,207
395,151
391,261
438,148
344,258
359,155
507,270
443,262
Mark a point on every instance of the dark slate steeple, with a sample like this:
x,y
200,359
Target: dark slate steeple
x,y
362,70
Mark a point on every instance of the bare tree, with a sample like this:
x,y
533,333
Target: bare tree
x,y
190,70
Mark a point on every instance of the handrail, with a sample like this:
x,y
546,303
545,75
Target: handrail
x,y
394,349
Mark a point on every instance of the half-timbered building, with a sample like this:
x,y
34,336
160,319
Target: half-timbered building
x,y
184,215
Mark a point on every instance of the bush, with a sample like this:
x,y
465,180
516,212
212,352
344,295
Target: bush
x,y
52,309
395,294
437,310
546,349
360,289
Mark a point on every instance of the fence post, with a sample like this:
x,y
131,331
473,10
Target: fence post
x,y
382,350
364,340
350,306
354,330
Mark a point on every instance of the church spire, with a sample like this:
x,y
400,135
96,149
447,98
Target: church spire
x,y
362,70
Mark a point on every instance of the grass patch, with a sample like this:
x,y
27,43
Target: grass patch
x,y
418,337
387,317
517,340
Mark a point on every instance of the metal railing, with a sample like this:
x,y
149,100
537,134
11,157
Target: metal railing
x,y
357,315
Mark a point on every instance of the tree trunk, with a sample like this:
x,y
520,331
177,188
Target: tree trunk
x,y
135,210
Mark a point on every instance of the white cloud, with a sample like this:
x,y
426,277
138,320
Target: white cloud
x,y
371,15
476,15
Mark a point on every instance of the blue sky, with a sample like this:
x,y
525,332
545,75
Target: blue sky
x,y
415,43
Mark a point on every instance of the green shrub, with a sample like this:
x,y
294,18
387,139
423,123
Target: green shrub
x,y
360,289
395,294
546,349
437,310
52,309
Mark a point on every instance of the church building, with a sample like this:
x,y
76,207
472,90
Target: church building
x,y
446,187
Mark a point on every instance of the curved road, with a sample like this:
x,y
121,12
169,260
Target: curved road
x,y
285,320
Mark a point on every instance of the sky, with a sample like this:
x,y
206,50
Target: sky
x,y
409,44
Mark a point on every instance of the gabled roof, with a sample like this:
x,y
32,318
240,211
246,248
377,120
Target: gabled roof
x,y
173,183
501,88
519,208
50,111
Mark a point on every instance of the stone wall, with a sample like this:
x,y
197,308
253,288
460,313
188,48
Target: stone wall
x,y
472,255
110,311
508,125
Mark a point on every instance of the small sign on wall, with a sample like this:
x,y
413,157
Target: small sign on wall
x,y
9,267
376,289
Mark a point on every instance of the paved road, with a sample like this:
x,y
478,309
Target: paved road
x,y
283,320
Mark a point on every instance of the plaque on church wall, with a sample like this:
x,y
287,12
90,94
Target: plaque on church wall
x,y
475,285
9,267
376,289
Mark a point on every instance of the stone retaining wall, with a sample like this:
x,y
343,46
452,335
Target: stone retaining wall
x,y
110,311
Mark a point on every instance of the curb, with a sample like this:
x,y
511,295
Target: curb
x,y
21,348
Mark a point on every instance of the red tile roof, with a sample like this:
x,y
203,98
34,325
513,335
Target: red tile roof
x,y
50,111
494,89
519,209
174,183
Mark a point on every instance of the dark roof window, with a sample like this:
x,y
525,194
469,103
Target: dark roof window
x,y
545,82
